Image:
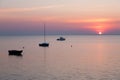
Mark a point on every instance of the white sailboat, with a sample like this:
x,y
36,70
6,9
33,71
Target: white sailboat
x,y
44,44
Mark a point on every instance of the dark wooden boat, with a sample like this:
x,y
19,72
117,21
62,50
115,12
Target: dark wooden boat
x,y
15,52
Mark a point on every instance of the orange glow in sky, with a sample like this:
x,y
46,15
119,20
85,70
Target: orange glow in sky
x,y
84,16
101,26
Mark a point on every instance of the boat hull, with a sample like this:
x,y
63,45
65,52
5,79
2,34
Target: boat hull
x,y
44,44
60,39
15,52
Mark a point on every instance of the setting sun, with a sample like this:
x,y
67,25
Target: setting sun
x,y
100,33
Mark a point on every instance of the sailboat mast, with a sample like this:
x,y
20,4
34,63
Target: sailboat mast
x,y
44,34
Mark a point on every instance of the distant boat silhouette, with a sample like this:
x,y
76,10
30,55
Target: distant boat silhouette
x,y
61,39
44,44
15,52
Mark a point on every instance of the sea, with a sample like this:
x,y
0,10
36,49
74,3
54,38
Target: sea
x,y
79,57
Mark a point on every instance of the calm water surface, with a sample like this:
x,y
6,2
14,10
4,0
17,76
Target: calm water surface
x,y
77,58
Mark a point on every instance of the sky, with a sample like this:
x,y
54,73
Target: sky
x,y
19,17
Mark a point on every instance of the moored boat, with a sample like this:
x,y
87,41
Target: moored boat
x,y
15,52
44,44
61,39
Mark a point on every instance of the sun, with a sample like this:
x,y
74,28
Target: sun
x,y
100,33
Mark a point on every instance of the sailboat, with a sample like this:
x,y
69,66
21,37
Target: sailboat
x,y
44,44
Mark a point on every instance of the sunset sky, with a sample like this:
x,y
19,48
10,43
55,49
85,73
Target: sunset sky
x,y
60,16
